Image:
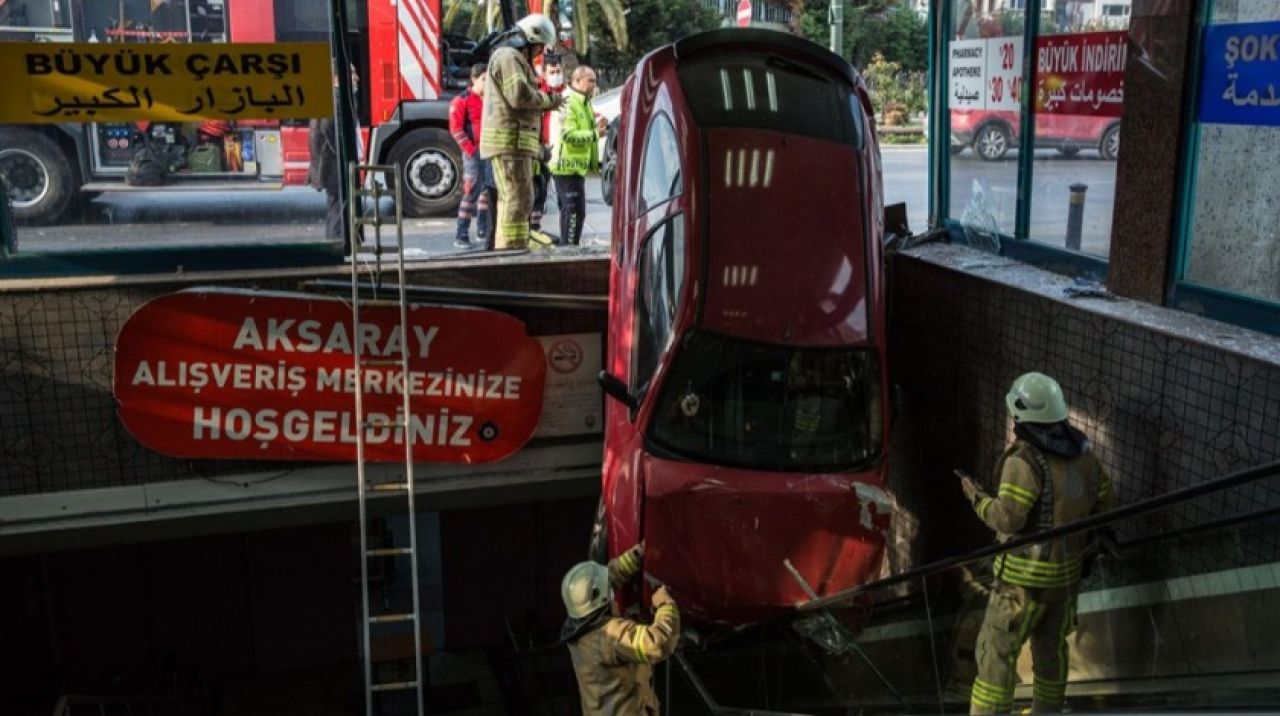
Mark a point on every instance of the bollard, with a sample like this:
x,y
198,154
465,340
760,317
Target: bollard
x,y
1075,215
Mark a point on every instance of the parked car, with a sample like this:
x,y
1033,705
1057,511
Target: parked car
x,y
747,424
608,105
993,134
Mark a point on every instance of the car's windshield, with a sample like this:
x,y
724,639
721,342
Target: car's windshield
x,y
768,92
770,407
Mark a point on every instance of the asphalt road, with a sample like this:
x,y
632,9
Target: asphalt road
x,y
985,190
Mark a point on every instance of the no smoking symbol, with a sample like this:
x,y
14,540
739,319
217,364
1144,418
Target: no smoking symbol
x,y
565,356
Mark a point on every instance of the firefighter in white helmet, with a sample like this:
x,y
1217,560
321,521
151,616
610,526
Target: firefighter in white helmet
x,y
1047,477
613,657
510,134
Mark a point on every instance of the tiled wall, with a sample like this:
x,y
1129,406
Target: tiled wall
x,y
58,428
1166,407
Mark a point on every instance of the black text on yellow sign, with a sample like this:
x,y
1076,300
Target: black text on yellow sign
x,y
94,82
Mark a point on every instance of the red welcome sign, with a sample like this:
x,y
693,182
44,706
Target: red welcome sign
x,y
270,376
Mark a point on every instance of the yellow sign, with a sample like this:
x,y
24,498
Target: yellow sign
x,y
95,82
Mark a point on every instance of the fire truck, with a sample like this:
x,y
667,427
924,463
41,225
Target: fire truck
x,y
408,64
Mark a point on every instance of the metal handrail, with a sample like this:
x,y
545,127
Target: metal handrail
x,y
481,296
1091,522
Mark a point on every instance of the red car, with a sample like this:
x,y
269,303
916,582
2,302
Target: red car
x,y
746,350
993,134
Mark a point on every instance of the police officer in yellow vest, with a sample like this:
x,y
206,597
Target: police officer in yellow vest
x,y
511,133
1047,477
613,657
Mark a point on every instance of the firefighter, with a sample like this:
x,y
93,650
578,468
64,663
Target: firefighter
x,y
1047,477
613,657
511,131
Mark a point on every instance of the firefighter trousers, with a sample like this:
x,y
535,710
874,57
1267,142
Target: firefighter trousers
x,y
514,176
1014,615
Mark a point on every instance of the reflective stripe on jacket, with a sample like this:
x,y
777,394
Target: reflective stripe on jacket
x,y
1078,487
573,151
614,662
513,108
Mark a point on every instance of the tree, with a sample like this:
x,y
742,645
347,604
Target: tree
x,y
583,17
886,27
650,24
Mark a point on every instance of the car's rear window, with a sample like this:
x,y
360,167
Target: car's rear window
x,y
759,92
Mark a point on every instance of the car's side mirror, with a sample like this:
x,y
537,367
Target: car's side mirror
x,y
616,389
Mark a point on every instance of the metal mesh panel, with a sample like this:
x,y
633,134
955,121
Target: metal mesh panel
x,y
1162,412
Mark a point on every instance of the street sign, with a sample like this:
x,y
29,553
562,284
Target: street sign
x,y
744,13
218,373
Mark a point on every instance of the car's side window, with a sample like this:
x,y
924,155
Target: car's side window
x,y
659,287
660,176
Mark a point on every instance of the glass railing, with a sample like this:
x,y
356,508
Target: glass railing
x,y
1175,610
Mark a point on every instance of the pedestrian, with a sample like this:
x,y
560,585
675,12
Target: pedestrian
x,y
1047,477
551,81
574,152
466,113
323,175
512,123
613,657
324,170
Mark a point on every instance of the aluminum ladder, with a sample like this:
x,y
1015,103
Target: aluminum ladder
x,y
359,219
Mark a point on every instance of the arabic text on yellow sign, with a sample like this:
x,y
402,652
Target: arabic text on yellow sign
x,y
94,82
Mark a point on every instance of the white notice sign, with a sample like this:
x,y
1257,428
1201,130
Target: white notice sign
x,y
572,402
967,68
1004,73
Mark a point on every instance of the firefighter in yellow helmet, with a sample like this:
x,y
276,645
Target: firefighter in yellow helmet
x,y
613,657
1047,477
511,132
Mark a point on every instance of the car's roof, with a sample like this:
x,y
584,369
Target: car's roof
x,y
708,42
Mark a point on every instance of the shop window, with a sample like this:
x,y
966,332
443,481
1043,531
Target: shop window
x,y
1060,195
1230,244
1078,94
80,190
985,85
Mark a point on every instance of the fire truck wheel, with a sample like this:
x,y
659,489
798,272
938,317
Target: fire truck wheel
x,y
432,166
38,178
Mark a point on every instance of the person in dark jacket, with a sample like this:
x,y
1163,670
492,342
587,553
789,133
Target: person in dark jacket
x,y
324,172
323,175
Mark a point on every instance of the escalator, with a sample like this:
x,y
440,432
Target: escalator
x,y
1178,612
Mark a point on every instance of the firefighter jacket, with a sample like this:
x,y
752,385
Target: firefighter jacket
x,y
513,108
574,150
466,114
613,657
1048,477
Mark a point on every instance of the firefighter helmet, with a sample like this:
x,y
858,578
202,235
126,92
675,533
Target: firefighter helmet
x,y
585,589
1036,398
537,29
